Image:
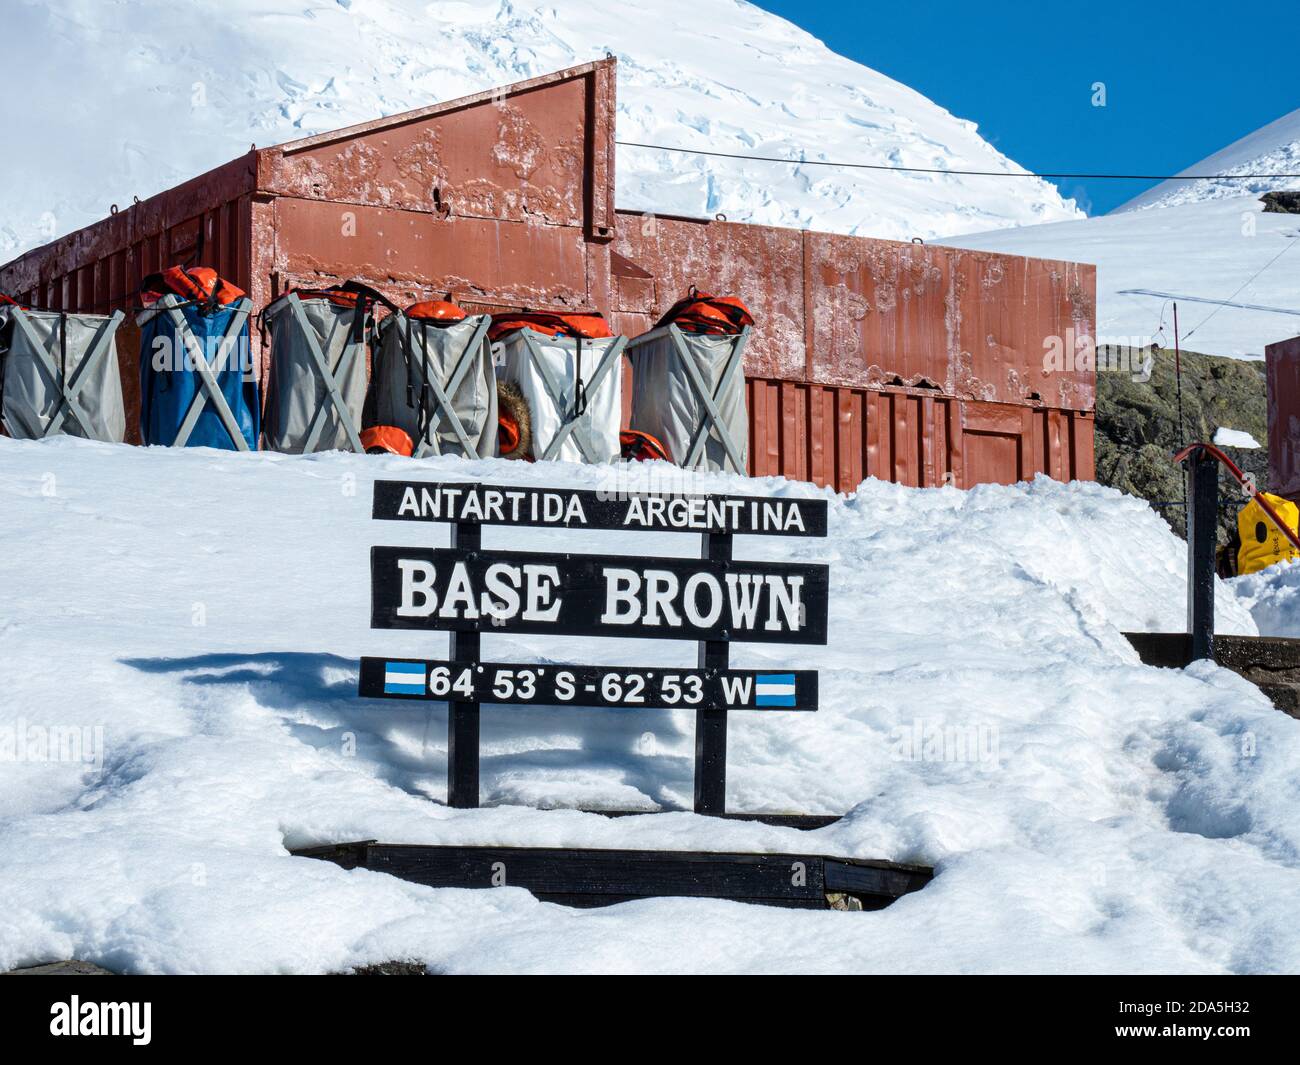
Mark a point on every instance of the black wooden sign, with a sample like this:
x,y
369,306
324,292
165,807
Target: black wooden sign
x,y
713,600
597,595
485,504
615,687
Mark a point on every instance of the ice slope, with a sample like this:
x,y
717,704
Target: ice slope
x,y
122,99
1271,149
1201,254
206,609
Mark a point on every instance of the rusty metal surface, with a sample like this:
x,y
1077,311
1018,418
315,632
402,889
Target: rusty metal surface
x,y
1282,364
915,363
658,258
869,313
838,436
536,152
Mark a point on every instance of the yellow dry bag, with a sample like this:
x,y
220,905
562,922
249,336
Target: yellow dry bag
x,y
1262,544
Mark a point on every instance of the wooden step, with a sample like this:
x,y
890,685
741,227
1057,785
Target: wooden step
x,y
588,878
1271,663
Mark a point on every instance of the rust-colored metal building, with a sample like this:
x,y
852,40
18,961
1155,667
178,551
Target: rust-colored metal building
x,y
913,363
1282,367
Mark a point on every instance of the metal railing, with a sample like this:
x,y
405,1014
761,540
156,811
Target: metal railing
x,y
1202,461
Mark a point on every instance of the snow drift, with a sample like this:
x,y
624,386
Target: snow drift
x,y
165,91
205,611
1273,598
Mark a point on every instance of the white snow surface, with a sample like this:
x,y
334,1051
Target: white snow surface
x,y
1226,437
207,609
164,91
1271,150
1273,598
1203,255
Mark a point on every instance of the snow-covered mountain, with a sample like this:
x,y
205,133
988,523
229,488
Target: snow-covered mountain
x,y
111,99
1271,149
1233,269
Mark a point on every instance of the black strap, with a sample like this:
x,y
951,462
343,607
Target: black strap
x,y
373,294
579,387
409,358
423,422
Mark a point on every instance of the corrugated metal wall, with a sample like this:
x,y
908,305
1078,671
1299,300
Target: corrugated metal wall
x,y
837,436
919,364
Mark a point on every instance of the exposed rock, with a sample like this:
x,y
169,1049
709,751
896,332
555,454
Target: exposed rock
x,y
1287,202
72,967
389,968
1138,428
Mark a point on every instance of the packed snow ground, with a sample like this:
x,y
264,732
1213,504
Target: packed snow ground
x,y
207,610
165,91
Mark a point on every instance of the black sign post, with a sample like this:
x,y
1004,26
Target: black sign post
x,y
463,715
711,725
1202,519
713,601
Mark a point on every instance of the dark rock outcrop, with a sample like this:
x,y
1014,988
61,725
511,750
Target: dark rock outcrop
x,y
1286,202
1138,428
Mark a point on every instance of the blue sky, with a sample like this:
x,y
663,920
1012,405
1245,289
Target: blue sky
x,y
1182,80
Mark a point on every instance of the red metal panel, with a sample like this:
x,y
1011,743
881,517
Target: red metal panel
x,y
762,264
995,442
1282,365
539,151
1082,457
874,313
975,325
483,260
837,436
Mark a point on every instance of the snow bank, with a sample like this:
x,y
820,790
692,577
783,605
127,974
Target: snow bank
x,y
1273,598
205,610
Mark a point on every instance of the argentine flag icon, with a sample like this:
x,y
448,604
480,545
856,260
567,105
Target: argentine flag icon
x,y
774,689
403,678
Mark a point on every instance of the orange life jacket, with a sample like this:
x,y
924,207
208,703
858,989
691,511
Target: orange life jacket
x,y
381,439
589,326
199,284
698,312
507,433
439,312
641,447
